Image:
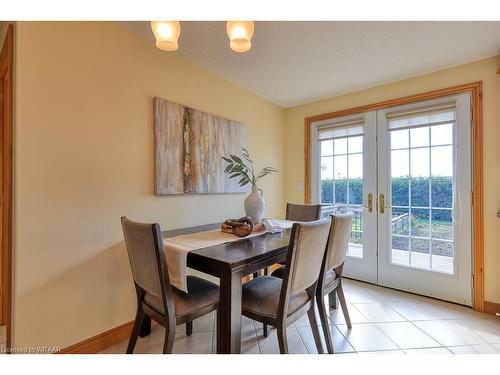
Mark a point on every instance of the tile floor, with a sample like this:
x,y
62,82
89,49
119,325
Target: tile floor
x,y
384,321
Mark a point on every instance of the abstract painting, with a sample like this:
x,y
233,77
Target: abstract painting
x,y
189,144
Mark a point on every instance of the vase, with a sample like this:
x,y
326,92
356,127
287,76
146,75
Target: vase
x,y
254,205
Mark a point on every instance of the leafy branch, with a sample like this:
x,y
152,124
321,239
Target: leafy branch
x,y
244,169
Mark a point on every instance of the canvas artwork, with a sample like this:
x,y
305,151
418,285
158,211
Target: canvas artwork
x,y
189,144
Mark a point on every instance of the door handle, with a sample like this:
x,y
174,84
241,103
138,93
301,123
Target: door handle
x,y
382,203
369,206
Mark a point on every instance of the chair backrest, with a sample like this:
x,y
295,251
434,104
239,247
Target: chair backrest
x,y
145,252
303,212
305,254
338,242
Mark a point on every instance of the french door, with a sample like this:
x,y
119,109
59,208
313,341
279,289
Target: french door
x,y
405,174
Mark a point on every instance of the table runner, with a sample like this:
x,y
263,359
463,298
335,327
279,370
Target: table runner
x,y
176,249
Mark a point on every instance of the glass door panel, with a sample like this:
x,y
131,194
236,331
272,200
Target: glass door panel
x,y
424,170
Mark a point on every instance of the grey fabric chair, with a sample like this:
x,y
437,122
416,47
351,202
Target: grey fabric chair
x,y
295,212
280,302
330,280
303,212
156,298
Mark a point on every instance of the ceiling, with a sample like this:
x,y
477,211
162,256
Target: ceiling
x,y
292,63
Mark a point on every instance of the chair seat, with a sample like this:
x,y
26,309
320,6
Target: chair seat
x,y
330,276
261,297
202,293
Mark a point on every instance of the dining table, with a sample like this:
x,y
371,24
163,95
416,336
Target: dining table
x,y
230,262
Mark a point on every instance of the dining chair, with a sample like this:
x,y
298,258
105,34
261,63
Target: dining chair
x,y
280,302
157,299
295,212
330,280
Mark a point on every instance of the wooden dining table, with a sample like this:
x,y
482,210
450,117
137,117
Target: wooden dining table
x,y
230,262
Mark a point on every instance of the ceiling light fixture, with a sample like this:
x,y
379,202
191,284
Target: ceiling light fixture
x,y
240,35
166,34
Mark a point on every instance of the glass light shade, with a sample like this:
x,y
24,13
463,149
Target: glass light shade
x,y
240,35
166,34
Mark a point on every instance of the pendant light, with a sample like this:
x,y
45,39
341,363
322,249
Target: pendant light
x,y
240,35
166,34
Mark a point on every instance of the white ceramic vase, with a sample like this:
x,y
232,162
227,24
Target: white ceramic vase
x,y
254,205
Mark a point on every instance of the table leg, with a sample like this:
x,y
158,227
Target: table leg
x,y
229,314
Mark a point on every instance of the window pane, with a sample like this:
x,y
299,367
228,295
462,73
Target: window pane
x,y
419,222
419,137
356,166
326,147
340,167
442,224
400,221
442,256
400,191
355,144
399,139
327,168
442,192
420,162
400,253
356,191
400,163
326,191
340,146
340,191
420,192
442,134
442,161
420,253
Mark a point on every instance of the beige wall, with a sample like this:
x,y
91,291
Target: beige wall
x,y
84,157
484,70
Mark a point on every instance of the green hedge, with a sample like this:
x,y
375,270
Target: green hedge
x,y
439,189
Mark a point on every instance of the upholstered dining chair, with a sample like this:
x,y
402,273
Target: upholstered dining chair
x,y
295,212
330,280
280,302
303,212
156,298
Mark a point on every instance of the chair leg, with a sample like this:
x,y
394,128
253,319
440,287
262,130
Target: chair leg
x,y
324,323
169,340
139,318
332,299
343,304
189,328
265,329
311,313
282,339
266,271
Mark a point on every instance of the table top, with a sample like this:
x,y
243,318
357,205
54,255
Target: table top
x,y
245,256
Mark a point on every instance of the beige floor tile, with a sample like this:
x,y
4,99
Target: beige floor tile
x,y
340,344
269,345
366,337
488,330
414,311
337,316
379,352
428,351
448,334
197,343
406,335
378,313
475,349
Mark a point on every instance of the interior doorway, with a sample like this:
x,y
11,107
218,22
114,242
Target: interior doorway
x,y
6,96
